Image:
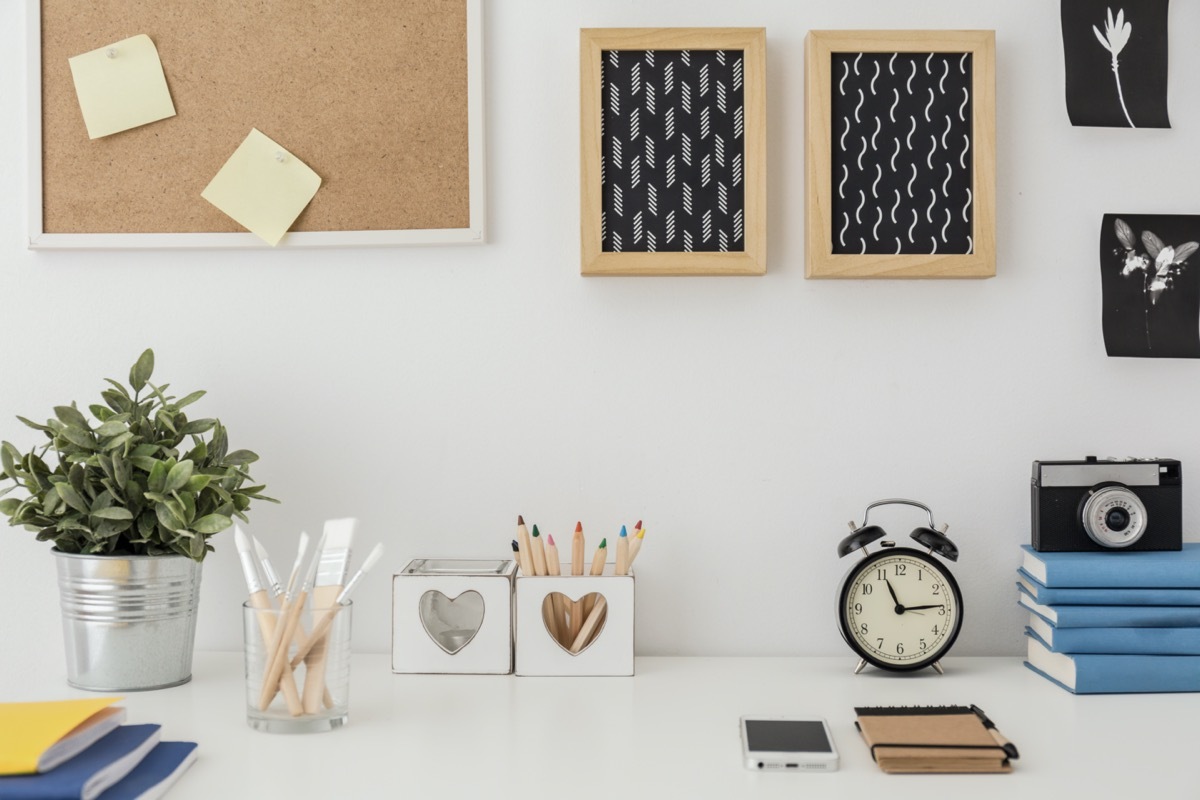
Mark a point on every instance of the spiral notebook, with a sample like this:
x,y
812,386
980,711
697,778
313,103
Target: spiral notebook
x,y
932,739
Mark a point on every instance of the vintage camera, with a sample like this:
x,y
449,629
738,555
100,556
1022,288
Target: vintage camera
x,y
1106,504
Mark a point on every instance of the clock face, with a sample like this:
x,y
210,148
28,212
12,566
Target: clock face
x,y
900,609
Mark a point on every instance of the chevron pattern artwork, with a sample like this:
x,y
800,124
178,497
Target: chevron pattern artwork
x,y
672,151
902,153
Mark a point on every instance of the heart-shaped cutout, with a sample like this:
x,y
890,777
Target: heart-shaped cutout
x,y
451,622
574,625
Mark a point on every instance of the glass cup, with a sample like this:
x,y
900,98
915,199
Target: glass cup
x,y
303,686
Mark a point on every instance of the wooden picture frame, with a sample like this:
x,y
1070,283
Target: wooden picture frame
x,y
828,253
466,227
723,232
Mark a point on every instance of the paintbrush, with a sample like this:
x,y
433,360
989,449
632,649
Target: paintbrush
x,y
295,606
263,610
334,563
321,627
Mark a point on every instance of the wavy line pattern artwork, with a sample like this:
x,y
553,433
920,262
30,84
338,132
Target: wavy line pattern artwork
x,y
672,150
912,195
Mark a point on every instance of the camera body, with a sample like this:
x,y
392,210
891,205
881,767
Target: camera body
x,y
1099,505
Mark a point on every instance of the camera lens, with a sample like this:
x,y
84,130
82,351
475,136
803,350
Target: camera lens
x,y
1117,519
1113,516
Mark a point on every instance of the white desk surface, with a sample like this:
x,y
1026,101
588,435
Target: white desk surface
x,y
669,732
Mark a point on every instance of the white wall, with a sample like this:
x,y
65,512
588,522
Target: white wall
x,y
437,393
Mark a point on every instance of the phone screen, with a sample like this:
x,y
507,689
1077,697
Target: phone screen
x,y
786,736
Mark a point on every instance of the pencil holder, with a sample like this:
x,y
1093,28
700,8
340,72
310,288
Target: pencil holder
x,y
575,624
453,616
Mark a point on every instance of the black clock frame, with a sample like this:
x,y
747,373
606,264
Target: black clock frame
x,y
879,555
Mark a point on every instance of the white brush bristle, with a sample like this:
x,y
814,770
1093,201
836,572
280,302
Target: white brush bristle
x,y
339,533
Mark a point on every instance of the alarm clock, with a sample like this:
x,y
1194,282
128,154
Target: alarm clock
x,y
899,608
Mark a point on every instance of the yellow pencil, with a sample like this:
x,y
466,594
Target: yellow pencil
x,y
636,545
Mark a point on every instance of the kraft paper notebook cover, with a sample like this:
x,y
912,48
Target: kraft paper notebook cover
x,y
91,772
934,739
37,737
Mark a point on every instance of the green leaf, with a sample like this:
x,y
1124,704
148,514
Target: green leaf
x,y
113,512
198,426
178,477
34,425
146,524
158,476
142,370
78,438
145,463
71,497
239,457
120,471
102,413
197,483
115,425
191,398
196,548
117,441
76,477
117,401
9,456
71,416
9,506
213,523
167,518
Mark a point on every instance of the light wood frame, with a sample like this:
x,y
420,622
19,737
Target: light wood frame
x,y
821,262
474,233
752,260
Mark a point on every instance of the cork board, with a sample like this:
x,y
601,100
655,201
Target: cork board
x,y
380,97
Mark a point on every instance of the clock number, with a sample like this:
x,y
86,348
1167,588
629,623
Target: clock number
x,y
935,630
863,628
880,643
942,611
881,574
867,588
923,645
937,588
919,574
901,569
858,608
899,649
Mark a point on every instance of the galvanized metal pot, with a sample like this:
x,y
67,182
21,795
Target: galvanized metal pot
x,y
129,622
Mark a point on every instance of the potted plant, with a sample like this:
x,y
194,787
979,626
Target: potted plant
x,y
130,500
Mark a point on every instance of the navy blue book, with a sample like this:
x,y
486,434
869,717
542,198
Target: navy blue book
x,y
1103,596
1113,616
88,774
1176,569
158,772
1087,673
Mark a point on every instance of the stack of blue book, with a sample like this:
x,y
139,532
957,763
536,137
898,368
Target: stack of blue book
x,y
1107,622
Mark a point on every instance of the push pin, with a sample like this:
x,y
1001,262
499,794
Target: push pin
x,y
111,52
280,156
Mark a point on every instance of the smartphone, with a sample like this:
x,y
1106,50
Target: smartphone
x,y
800,743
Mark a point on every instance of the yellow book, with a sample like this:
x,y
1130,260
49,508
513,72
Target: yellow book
x,y
37,737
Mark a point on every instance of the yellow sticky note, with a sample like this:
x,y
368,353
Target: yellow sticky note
x,y
263,187
121,86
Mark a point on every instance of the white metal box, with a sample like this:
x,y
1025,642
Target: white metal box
x,y
545,643
453,616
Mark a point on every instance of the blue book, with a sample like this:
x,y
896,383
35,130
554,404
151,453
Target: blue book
x,y
158,772
1113,616
1114,674
88,774
1100,596
1130,641
1177,569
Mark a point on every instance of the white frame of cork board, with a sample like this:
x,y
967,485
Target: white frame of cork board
x,y
474,233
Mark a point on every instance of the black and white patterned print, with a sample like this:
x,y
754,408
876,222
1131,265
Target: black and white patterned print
x,y
902,153
672,151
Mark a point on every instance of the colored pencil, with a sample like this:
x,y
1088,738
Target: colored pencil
x,y
559,603
593,624
636,545
526,557
598,559
552,565
577,550
539,553
622,565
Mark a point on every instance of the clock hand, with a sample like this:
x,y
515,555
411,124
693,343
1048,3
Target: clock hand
x,y
919,608
896,600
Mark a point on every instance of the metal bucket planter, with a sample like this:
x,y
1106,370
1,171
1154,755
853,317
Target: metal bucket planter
x,y
129,622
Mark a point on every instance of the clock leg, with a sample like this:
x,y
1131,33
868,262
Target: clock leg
x,y
862,663
937,667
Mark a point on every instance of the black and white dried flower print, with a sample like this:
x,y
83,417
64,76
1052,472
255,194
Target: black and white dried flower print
x,y
1159,266
1115,37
